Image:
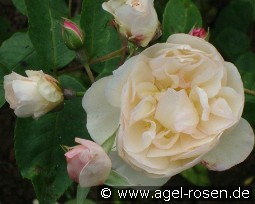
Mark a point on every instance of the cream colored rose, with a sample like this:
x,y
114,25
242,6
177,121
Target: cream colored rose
x,y
176,104
34,95
137,19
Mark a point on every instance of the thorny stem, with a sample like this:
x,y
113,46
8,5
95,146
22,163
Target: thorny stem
x,y
109,56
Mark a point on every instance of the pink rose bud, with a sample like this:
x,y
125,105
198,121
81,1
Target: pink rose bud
x,y
88,164
72,35
198,32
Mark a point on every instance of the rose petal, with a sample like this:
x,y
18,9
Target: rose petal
x,y
176,112
102,118
136,178
139,136
234,147
113,90
233,78
197,43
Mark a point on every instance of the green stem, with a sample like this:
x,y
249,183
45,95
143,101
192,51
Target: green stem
x,y
89,72
248,91
109,56
79,94
70,8
81,54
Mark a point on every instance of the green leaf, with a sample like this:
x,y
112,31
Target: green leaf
x,y
39,155
180,16
116,179
106,68
246,62
232,43
20,5
17,53
100,37
5,30
44,19
197,175
81,194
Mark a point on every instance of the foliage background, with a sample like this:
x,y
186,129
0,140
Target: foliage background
x,y
26,25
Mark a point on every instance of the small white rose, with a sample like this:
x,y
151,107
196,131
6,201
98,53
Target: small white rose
x,y
34,95
176,104
137,19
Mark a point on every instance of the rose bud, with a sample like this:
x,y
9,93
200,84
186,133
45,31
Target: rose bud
x,y
34,95
199,32
136,19
88,164
72,35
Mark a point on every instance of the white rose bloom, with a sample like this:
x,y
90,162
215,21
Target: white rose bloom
x,y
176,104
34,95
137,19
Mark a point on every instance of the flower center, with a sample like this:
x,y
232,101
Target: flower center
x,y
136,5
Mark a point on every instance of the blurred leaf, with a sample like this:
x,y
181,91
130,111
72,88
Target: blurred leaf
x,y
248,79
37,143
248,181
197,175
4,29
18,54
160,6
86,201
101,38
248,113
238,14
2,98
232,43
116,179
246,62
21,6
44,19
106,68
179,17
81,194
253,8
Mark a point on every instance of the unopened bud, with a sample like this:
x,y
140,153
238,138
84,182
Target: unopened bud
x,y
72,35
199,32
88,164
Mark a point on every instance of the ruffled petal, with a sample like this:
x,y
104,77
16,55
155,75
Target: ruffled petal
x,y
234,147
176,112
136,178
